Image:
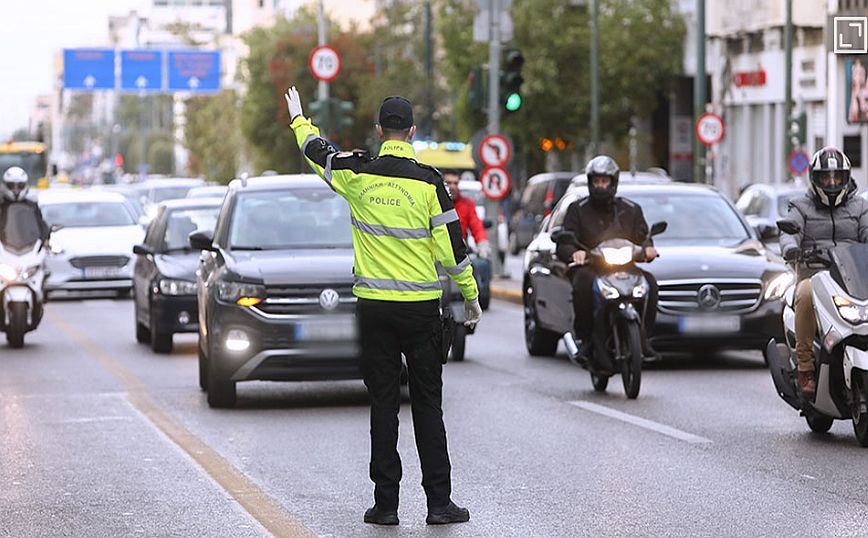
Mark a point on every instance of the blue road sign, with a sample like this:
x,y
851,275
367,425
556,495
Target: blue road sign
x,y
798,162
194,70
142,70
88,69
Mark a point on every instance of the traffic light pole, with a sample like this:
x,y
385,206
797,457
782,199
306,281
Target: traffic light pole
x,y
323,87
699,93
788,86
595,77
491,207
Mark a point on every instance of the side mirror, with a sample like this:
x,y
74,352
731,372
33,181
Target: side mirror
x,y
201,240
659,227
789,226
56,227
142,250
766,232
487,223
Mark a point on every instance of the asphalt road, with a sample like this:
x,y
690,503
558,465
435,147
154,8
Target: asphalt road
x,y
100,437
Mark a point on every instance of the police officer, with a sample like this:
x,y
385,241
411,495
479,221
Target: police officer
x,y
594,219
402,219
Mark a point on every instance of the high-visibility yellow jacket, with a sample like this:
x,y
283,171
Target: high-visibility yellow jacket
x,y
402,218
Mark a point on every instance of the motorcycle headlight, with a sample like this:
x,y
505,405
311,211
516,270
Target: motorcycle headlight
x,y
618,256
854,313
7,272
170,286
240,293
607,291
777,287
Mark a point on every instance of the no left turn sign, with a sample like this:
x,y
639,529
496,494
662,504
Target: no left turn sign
x,y
494,151
495,183
324,63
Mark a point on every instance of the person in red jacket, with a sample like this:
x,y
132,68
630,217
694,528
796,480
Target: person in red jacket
x,y
467,216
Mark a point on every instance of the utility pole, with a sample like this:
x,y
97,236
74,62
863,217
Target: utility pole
x,y
492,207
323,89
595,77
429,74
699,92
788,85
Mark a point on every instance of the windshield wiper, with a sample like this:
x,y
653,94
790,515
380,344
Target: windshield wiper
x,y
245,248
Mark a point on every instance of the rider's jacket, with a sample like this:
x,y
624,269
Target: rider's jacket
x,y
823,226
594,223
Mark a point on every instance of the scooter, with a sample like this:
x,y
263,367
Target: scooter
x,y
22,273
620,298
840,292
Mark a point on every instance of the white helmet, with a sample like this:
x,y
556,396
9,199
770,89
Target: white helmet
x,y
15,179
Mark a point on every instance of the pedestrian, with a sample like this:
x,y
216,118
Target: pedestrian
x,y
402,219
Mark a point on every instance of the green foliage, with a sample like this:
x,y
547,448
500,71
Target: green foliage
x,y
161,156
213,137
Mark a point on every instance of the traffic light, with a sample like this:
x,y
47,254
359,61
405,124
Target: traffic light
x,y
476,89
511,80
343,111
332,115
798,131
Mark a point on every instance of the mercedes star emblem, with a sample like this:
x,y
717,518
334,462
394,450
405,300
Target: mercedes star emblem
x,y
708,297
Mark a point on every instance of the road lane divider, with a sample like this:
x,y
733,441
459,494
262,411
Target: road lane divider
x,y
255,501
639,421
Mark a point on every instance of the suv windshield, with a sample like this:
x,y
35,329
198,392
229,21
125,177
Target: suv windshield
x,y
697,219
182,222
80,214
290,219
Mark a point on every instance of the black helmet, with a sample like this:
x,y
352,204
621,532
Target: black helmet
x,y
602,165
830,176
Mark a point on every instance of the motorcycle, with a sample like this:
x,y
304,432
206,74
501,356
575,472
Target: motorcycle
x,y
620,297
840,293
22,273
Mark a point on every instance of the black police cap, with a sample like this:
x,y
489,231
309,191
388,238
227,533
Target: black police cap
x,y
396,113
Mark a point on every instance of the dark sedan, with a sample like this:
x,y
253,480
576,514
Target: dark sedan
x,y
275,287
164,276
719,287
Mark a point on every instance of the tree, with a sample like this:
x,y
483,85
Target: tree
x,y
212,135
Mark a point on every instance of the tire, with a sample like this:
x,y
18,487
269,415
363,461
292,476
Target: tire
x,y
817,422
17,325
221,391
600,382
539,342
484,301
458,342
203,369
860,401
161,342
143,334
631,366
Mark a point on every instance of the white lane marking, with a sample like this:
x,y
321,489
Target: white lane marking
x,y
641,422
85,420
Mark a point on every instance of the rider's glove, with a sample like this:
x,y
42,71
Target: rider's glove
x,y
484,249
472,312
293,103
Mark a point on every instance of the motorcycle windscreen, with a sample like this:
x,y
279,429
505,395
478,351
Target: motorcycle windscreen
x,y
22,227
848,269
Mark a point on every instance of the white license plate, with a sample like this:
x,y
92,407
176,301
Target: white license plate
x,y
102,272
709,324
331,329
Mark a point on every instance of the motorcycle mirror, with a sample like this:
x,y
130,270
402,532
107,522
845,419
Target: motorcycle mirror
x,y
141,250
201,240
766,232
659,227
789,226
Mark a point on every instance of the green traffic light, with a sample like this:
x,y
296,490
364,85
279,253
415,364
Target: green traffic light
x,y
513,102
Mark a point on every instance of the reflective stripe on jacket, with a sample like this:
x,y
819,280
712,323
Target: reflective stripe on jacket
x,y
402,218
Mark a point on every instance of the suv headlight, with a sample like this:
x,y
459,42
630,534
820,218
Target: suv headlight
x,y
170,286
777,287
852,312
240,293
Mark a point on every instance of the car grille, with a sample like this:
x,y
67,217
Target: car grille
x,y
730,296
305,300
81,262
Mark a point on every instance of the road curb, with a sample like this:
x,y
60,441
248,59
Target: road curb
x,y
507,294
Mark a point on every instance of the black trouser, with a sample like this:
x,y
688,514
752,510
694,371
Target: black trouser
x,y
583,302
388,329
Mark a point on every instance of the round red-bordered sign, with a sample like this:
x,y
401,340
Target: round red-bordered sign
x,y
495,183
324,63
709,129
494,150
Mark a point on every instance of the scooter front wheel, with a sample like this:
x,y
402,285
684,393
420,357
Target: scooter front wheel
x,y
860,406
600,382
17,325
631,361
817,422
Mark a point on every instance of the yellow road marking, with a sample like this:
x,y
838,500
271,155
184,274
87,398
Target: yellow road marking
x,y
262,507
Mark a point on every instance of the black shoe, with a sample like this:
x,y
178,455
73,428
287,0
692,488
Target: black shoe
x,y
381,517
649,352
451,513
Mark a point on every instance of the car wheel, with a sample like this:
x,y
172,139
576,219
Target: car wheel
x,y
221,391
161,342
458,342
143,334
203,369
484,301
539,342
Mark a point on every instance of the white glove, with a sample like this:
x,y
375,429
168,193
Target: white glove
x,y
484,249
293,103
472,312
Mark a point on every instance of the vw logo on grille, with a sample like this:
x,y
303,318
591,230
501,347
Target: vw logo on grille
x,y
329,299
708,297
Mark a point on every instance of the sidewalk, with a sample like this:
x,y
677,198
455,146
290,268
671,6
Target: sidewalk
x,y
509,289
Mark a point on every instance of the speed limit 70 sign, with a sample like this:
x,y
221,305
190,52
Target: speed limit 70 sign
x,y
709,129
324,63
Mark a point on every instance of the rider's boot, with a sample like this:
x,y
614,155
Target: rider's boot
x,y
807,384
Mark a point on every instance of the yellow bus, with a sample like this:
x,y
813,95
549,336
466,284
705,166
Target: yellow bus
x,y
447,155
31,156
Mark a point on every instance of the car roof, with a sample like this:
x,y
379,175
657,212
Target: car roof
x,y
658,187
75,195
187,203
770,188
629,177
172,182
548,176
265,183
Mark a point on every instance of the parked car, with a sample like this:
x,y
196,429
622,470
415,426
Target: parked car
x,y
720,288
164,275
275,287
473,189
537,201
208,191
93,250
763,204
154,191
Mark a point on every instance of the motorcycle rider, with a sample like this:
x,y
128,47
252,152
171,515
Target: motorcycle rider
x,y
828,214
597,218
467,216
16,204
